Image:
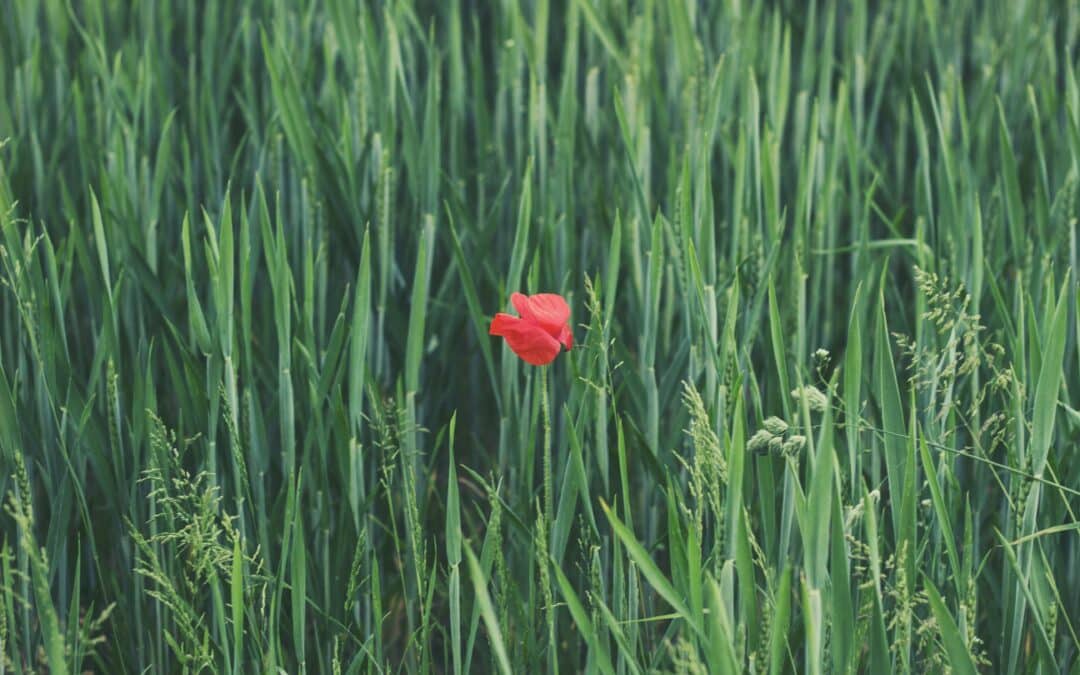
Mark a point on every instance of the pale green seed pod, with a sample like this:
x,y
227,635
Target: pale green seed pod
x,y
759,442
776,445
816,400
775,425
794,445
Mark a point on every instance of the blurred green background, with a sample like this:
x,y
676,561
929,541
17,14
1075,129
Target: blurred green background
x,y
821,411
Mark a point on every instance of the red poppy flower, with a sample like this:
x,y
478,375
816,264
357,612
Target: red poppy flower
x,y
535,335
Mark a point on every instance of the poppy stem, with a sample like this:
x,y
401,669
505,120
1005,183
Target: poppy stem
x,y
547,518
545,410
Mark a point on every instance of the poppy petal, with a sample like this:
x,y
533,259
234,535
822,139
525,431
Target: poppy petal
x,y
547,309
526,339
521,304
502,323
566,336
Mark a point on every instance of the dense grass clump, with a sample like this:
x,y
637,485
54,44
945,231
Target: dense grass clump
x,y
821,414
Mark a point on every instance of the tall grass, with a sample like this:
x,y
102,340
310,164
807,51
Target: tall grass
x,y
821,414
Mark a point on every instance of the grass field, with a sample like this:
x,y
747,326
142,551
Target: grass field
x,y
821,413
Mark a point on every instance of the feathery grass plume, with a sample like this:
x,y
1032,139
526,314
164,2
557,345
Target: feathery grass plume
x,y
902,614
7,592
503,582
115,413
34,570
709,471
596,593
686,658
350,600
1063,210
973,642
233,426
189,551
965,354
540,542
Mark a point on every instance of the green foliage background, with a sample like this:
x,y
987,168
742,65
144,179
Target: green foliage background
x,y
821,415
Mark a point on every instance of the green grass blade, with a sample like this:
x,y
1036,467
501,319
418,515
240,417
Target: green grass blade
x,y
959,657
487,611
